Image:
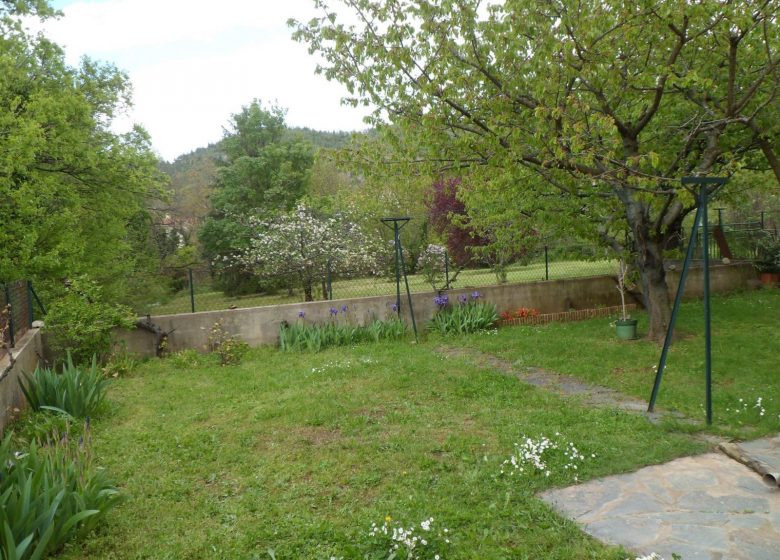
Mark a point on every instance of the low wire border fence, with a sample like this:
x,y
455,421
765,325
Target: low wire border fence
x,y
18,301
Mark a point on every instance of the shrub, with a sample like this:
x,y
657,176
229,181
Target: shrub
x,y
432,265
186,359
228,347
48,496
81,321
75,392
519,313
120,363
468,316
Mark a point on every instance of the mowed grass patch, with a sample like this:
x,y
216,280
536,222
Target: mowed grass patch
x,y
300,453
745,358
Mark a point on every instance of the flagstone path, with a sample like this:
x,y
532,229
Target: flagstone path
x,y
707,507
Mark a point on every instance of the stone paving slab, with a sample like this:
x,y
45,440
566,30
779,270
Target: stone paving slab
x,y
765,451
707,507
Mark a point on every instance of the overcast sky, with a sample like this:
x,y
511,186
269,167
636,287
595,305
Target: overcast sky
x,y
195,62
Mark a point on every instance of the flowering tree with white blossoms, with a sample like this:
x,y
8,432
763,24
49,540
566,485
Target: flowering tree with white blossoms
x,y
301,246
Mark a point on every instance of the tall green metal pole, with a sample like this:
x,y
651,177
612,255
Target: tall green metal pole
x,y
192,290
675,310
700,220
707,332
398,261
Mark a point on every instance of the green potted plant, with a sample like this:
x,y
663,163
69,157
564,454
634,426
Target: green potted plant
x,y
768,260
625,327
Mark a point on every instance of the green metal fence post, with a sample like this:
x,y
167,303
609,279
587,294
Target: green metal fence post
x,y
29,305
192,290
10,305
546,264
330,280
37,300
446,270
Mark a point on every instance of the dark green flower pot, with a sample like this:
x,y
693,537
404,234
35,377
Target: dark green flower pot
x,y
626,330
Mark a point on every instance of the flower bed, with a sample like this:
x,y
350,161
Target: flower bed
x,y
577,315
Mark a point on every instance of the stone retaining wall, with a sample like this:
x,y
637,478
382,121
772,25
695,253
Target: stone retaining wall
x,y
260,325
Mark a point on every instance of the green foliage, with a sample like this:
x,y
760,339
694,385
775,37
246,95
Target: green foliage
x,y
552,114
73,193
75,391
432,264
314,337
228,347
768,259
186,359
261,174
464,318
120,363
81,321
48,496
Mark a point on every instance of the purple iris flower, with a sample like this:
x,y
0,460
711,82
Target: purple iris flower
x,y
475,295
343,308
301,314
441,301
462,299
334,311
394,307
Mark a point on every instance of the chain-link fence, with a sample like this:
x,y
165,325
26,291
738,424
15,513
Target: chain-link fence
x,y
18,303
201,289
737,239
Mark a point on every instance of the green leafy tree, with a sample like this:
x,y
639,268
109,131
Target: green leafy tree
x,y
580,112
72,192
260,175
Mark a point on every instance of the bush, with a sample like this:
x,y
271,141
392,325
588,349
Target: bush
x,y
48,496
120,363
81,321
313,337
228,347
75,392
186,359
468,316
432,264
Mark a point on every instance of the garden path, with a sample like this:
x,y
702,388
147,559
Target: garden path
x,y
564,385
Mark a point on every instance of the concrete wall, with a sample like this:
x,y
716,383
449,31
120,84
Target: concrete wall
x,y
260,325
26,356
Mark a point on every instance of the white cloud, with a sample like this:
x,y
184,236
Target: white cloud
x,y
193,63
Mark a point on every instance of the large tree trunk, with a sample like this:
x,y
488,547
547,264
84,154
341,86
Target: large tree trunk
x,y
654,289
649,261
308,290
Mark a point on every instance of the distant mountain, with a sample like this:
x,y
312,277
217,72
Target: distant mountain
x,y
193,174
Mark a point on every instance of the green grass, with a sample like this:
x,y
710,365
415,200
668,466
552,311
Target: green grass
x,y
745,357
208,300
300,453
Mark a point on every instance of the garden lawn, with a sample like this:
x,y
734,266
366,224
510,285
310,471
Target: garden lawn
x,y
299,453
745,359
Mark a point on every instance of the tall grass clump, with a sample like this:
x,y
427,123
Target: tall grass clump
x,y
468,316
77,392
314,337
48,496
